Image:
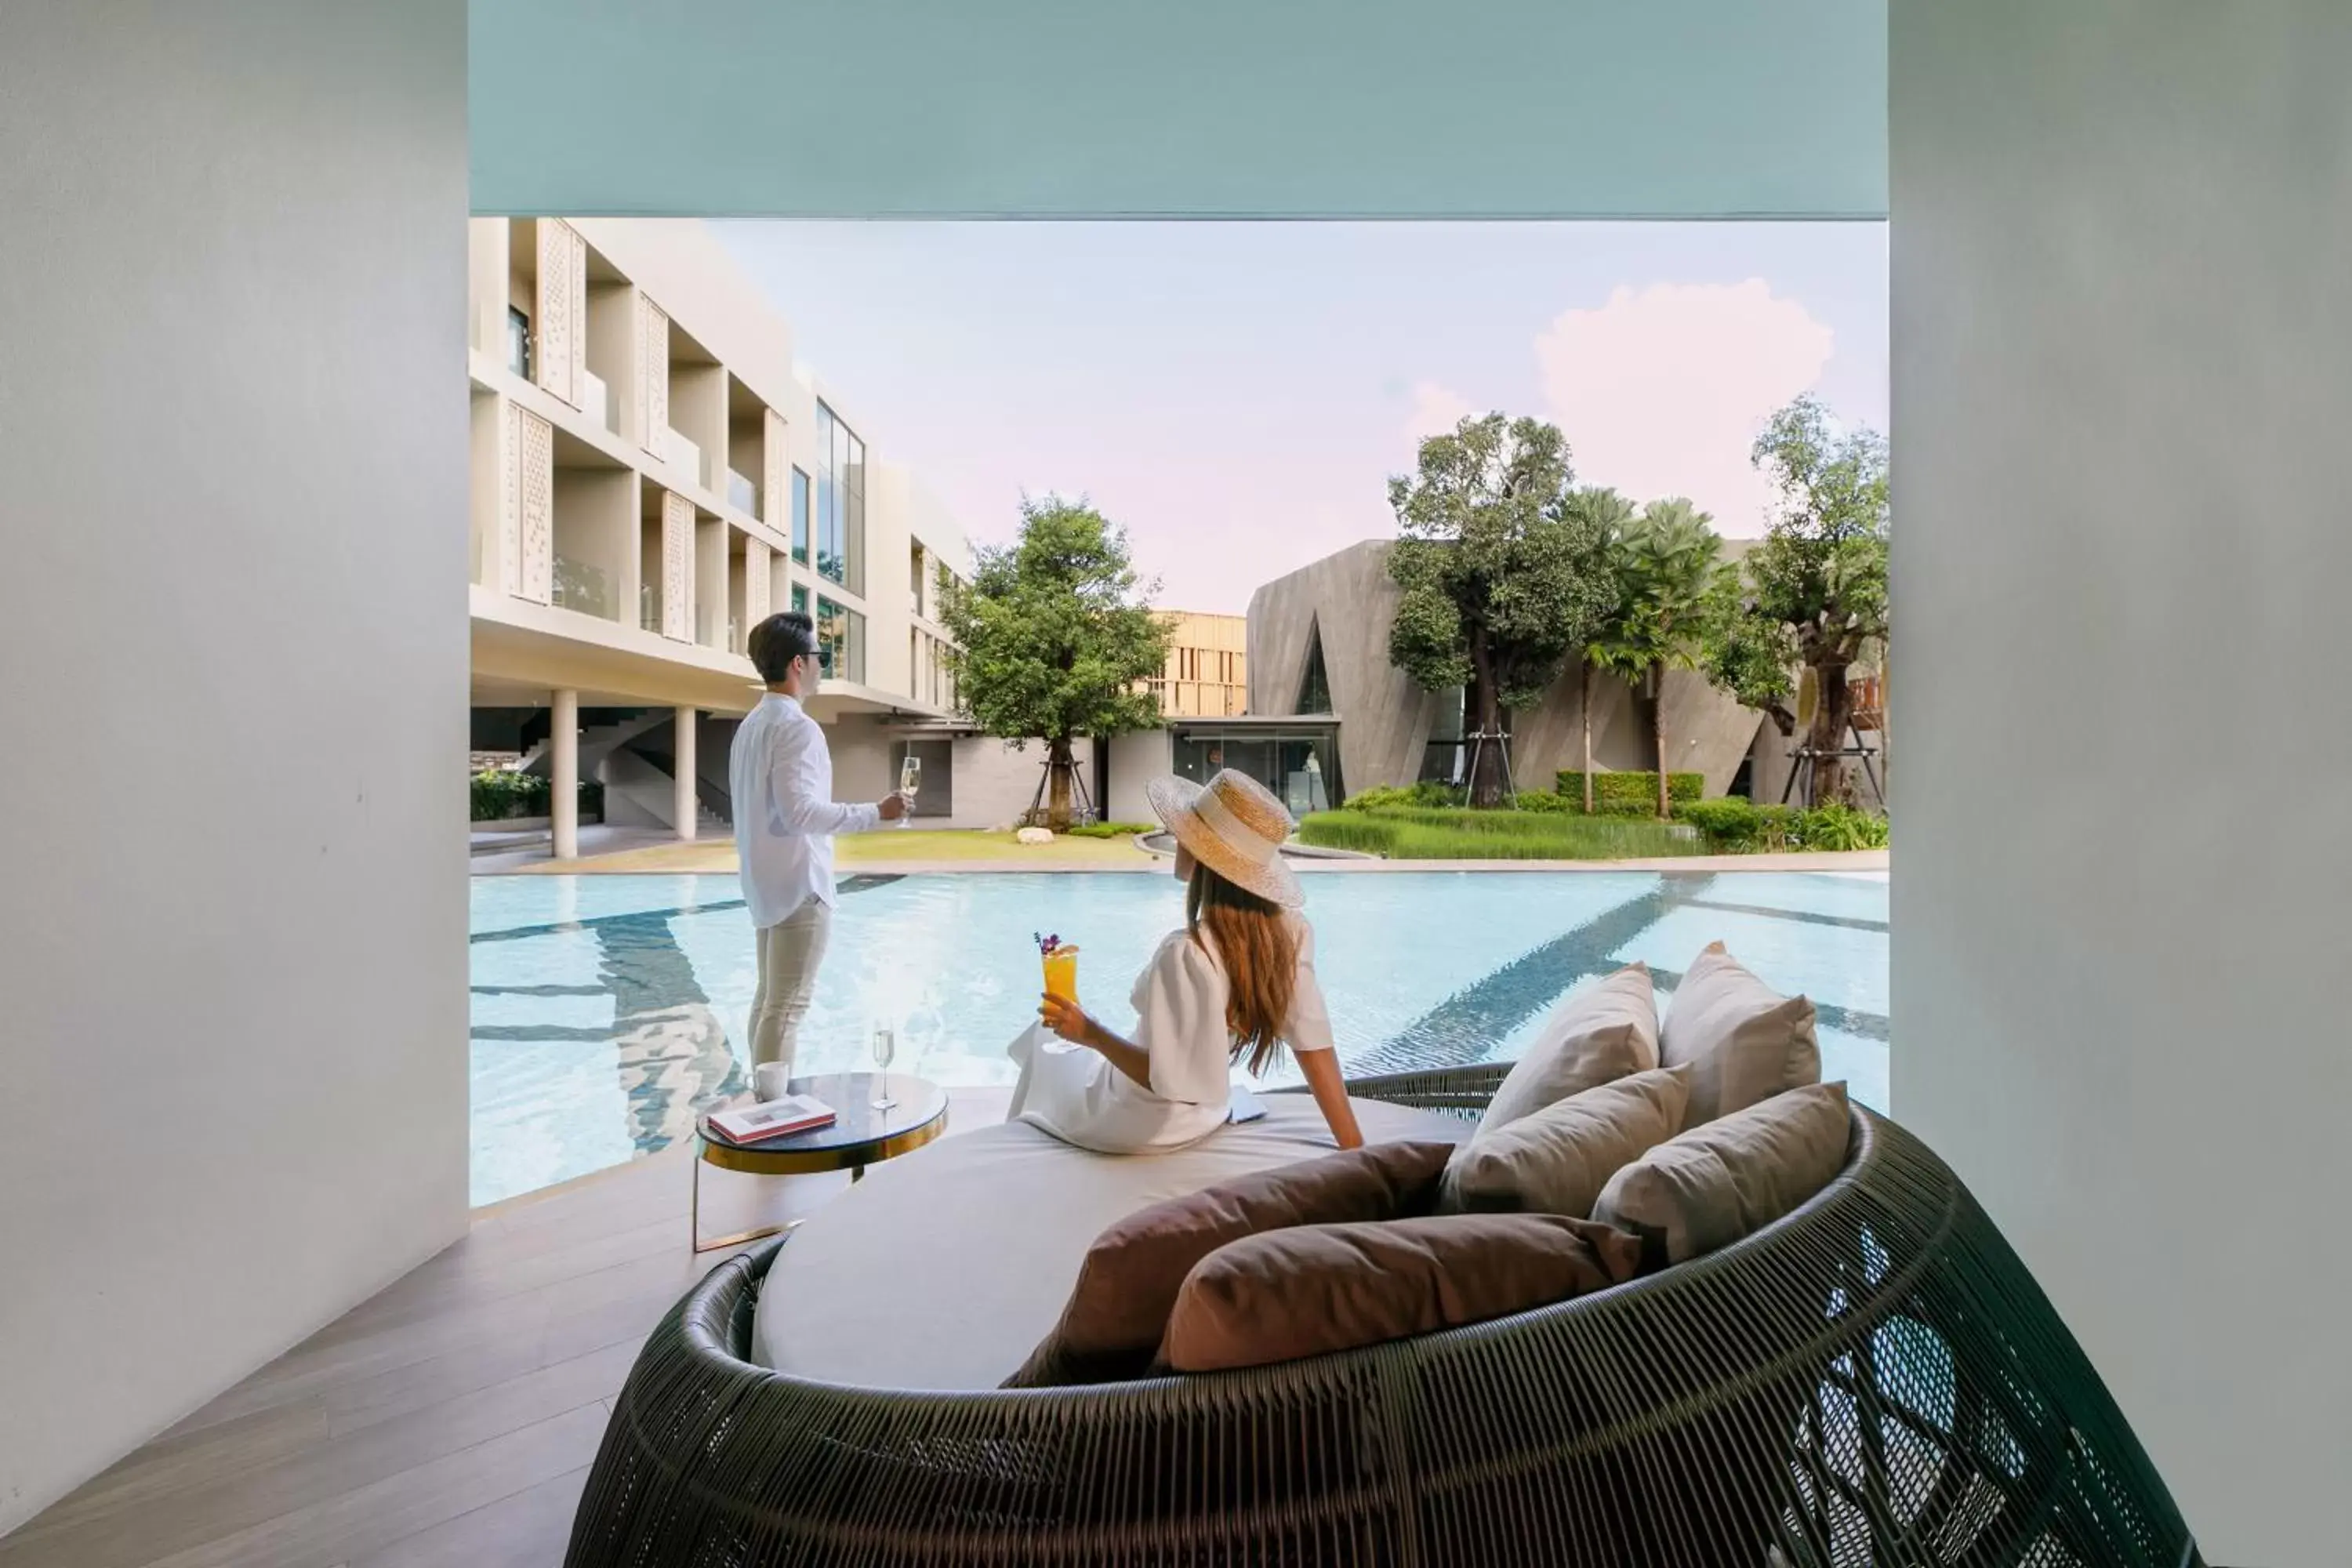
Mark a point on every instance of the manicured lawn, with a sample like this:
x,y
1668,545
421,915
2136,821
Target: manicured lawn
x,y
1448,834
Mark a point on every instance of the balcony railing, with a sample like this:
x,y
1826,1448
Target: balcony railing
x,y
595,401
586,588
683,455
743,494
649,607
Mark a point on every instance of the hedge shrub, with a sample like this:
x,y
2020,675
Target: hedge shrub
x,y
1840,826
502,793
1741,826
1538,800
1112,829
1426,794
1629,793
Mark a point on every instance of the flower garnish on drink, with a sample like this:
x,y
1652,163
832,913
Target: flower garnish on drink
x,y
1061,962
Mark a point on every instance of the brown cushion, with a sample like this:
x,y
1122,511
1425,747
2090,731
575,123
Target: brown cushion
x,y
1603,1031
1745,1042
1315,1289
1118,1308
1732,1176
1556,1160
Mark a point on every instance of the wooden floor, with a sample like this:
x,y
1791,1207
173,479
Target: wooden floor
x,y
450,1420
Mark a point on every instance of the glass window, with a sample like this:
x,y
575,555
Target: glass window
x,y
829,495
518,342
840,502
1302,788
1199,757
1302,769
853,533
841,641
1315,687
799,517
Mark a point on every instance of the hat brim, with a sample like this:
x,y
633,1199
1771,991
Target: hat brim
x,y
1175,801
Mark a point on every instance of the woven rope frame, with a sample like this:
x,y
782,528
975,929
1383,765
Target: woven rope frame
x,y
1875,1379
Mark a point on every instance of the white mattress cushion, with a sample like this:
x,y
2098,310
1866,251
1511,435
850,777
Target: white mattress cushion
x,y
944,1267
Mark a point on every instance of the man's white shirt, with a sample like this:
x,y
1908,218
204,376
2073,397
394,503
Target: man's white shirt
x,y
780,775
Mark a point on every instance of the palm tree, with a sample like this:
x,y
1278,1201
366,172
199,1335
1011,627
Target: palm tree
x,y
1669,560
1610,514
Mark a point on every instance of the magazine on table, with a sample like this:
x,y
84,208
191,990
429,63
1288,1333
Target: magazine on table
x,y
771,1119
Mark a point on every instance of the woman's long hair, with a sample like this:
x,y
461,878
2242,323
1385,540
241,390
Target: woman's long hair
x,y
1258,946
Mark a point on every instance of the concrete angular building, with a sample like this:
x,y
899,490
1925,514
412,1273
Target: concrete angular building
x,y
1320,670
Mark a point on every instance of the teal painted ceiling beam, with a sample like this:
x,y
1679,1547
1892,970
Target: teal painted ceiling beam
x,y
1589,108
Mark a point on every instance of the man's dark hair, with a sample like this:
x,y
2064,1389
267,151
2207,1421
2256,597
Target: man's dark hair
x,y
779,640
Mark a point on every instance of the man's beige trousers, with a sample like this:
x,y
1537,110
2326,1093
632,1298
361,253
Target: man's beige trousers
x,y
789,952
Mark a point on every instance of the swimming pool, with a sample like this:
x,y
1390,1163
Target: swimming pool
x,y
607,1009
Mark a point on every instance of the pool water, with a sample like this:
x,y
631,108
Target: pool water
x,y
607,1010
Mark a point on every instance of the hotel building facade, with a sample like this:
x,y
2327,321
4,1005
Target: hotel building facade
x,y
653,475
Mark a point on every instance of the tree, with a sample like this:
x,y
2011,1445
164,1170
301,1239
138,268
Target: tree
x,y
1610,514
1813,594
1053,639
1503,580
1670,560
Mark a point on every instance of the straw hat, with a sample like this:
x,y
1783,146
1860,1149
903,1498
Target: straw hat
x,y
1234,827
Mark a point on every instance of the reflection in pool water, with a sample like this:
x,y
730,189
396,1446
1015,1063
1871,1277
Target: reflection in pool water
x,y
607,1009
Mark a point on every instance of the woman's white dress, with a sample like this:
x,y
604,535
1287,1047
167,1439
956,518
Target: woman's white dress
x,y
1076,1094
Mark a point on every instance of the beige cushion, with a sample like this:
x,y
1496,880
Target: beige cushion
x,y
1556,1160
1311,1289
1118,1313
1603,1031
1732,1176
943,1268
1744,1041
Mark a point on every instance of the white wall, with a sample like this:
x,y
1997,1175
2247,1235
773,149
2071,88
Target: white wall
x,y
232,877
1135,761
2122,392
995,783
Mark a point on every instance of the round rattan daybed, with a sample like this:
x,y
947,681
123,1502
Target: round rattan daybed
x,y
1875,1379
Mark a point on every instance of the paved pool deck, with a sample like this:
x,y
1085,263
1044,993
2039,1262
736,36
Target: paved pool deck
x,y
890,854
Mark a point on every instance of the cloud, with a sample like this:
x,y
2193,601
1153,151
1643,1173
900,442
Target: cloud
x,y
1436,411
1662,390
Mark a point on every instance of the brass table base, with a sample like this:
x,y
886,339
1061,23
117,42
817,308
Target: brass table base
x,y
789,1161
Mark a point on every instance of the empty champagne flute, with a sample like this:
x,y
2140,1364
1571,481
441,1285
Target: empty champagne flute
x,y
886,1046
911,785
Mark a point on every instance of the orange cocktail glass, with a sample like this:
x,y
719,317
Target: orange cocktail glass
x,y
1062,973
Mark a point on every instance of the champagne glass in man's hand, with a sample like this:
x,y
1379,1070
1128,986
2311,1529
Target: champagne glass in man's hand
x,y
911,785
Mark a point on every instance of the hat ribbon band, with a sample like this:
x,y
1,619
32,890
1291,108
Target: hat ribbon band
x,y
1238,836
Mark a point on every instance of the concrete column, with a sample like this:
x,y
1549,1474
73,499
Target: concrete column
x,y
686,809
563,790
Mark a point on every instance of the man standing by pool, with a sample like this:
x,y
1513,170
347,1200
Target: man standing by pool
x,y
780,777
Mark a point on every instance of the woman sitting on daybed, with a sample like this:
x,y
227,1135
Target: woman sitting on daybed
x,y
1239,977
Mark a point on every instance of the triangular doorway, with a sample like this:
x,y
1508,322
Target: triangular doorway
x,y
1315,686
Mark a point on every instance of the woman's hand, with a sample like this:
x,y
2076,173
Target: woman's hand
x,y
1068,1019
1330,1092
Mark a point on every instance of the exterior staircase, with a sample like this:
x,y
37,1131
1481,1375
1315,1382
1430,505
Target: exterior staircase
x,y
633,757
596,743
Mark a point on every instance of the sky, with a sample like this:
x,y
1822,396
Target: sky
x,y
1236,395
